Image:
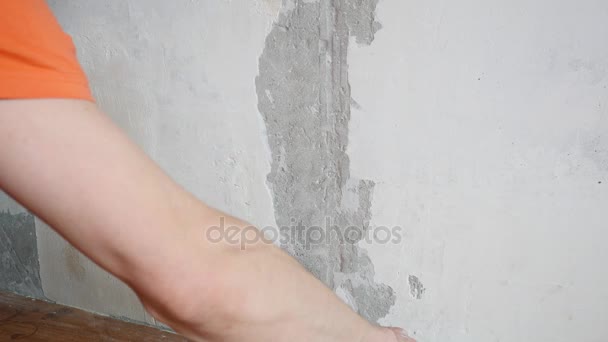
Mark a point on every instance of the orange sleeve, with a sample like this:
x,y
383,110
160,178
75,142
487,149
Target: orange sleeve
x,y
37,59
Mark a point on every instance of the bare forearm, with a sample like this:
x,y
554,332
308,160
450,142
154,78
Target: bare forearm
x,y
72,167
67,162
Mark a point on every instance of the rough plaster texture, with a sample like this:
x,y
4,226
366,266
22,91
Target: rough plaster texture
x,y
19,267
179,78
484,126
304,97
479,127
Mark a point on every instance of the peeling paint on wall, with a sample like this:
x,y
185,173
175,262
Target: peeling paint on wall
x,y
304,98
19,267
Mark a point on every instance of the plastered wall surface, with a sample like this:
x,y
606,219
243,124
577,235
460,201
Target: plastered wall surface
x,y
476,127
179,78
304,98
484,125
19,266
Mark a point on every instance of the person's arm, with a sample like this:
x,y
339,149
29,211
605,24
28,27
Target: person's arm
x,y
70,165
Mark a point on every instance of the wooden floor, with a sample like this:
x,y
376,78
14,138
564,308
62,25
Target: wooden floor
x,y
23,319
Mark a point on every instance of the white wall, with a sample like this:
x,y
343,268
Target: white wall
x,y
482,123
179,77
485,126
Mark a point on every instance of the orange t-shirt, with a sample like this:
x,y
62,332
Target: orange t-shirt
x,y
37,59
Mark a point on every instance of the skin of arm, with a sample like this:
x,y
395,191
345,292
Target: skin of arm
x,y
71,166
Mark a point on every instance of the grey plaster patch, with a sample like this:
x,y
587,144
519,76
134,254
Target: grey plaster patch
x,y
304,98
416,287
360,19
19,267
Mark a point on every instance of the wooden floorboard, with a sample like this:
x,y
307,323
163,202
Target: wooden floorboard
x,y
24,319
